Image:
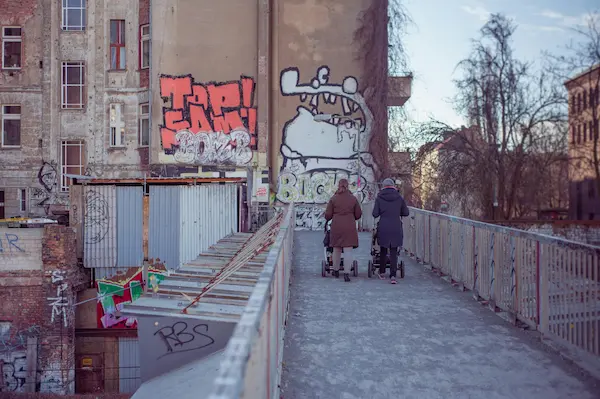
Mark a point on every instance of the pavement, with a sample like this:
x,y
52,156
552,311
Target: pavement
x,y
421,338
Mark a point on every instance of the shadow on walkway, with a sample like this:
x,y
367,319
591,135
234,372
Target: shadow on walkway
x,y
420,339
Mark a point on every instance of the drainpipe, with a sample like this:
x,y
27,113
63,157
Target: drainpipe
x,y
150,80
263,36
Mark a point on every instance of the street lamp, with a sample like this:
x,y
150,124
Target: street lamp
x,y
326,117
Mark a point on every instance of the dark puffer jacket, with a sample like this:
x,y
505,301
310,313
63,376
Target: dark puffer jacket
x,y
389,207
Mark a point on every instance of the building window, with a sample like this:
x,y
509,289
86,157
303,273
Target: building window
x,y
73,85
145,46
11,47
73,15
117,126
144,139
117,44
579,102
578,134
591,130
23,200
573,134
584,99
71,161
11,126
584,132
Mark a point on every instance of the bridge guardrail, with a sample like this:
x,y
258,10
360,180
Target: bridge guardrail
x,y
251,366
549,283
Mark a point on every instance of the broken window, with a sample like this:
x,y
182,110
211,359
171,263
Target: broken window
x,y
144,135
11,47
73,85
73,15
23,200
145,46
117,126
71,161
117,44
11,126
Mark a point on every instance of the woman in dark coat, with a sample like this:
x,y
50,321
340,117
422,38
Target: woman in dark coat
x,y
344,210
389,207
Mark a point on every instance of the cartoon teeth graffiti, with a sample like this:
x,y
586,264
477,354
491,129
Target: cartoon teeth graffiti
x,y
319,151
337,137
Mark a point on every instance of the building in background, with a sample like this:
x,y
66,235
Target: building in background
x,y
584,121
401,172
133,88
73,98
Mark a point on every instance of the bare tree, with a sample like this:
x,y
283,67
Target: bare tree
x,y
517,116
579,69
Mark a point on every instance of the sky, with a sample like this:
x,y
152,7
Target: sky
x,y
440,36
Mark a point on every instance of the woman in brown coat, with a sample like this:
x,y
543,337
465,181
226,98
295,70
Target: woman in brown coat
x,y
344,210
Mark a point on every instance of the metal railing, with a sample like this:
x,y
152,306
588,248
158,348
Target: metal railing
x,y
549,283
251,366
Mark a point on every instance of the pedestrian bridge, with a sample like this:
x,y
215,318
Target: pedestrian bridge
x,y
483,312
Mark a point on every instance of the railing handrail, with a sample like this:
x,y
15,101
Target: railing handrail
x,y
229,383
520,233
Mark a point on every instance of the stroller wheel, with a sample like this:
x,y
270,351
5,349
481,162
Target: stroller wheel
x,y
323,269
401,269
355,267
370,269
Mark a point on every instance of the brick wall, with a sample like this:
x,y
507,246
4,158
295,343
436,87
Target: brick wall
x,y
44,299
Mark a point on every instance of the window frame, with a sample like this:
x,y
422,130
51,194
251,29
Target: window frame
x,y
65,27
12,39
118,123
144,38
143,116
11,117
120,44
65,66
64,144
22,200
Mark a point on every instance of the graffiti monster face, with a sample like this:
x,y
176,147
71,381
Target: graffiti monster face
x,y
335,138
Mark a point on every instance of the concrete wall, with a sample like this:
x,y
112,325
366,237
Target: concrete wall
x,y
216,51
20,249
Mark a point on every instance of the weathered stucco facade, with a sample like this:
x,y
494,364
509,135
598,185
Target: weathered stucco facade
x,y
63,88
221,101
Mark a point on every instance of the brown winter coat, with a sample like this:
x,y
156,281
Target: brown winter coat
x,y
344,210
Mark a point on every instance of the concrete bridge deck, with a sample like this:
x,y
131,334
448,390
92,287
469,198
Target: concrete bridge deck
x,y
419,339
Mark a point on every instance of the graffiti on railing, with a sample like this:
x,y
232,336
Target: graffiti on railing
x,y
180,338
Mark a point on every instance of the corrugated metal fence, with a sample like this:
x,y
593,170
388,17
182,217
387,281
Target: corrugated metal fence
x,y
183,221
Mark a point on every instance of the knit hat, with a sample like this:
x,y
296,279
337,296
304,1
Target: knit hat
x,y
388,182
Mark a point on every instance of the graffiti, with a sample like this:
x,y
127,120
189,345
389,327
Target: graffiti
x,y
117,291
310,218
11,243
96,217
318,152
211,123
177,337
57,379
13,367
213,148
60,302
18,339
48,193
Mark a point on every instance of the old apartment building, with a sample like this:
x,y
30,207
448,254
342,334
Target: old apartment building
x,y
584,144
134,88
73,97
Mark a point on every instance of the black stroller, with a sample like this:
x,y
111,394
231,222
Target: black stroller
x,y
327,263
375,251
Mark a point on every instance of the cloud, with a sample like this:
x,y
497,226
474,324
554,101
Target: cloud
x,y
566,20
478,11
